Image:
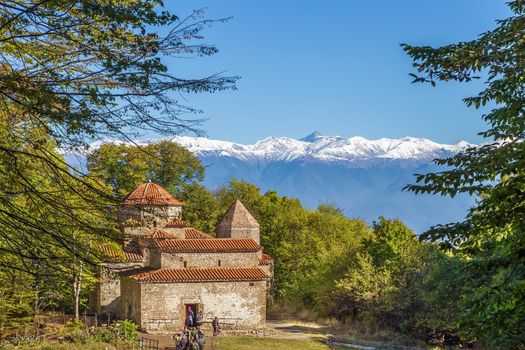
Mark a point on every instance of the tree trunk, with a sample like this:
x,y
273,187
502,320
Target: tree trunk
x,y
77,288
77,282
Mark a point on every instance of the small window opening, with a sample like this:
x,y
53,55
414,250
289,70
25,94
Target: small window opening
x,y
185,264
252,284
219,263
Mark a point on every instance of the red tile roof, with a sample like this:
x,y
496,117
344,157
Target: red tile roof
x,y
216,245
201,275
150,194
193,233
265,259
127,254
176,223
133,256
157,233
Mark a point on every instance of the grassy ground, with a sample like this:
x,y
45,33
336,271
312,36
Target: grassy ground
x,y
63,346
253,343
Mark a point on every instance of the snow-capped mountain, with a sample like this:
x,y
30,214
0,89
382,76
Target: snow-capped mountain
x,y
317,147
363,177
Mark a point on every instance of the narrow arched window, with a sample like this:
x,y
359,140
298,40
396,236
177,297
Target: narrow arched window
x,y
219,263
185,264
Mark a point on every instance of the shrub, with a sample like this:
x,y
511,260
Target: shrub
x,y
126,330
75,326
105,335
26,336
4,345
77,332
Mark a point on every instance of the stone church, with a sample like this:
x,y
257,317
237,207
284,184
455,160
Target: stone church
x,y
164,267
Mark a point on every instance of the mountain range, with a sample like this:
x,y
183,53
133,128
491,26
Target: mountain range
x,y
363,177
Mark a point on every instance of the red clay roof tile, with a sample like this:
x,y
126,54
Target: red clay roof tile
x,y
193,233
133,256
201,275
150,194
158,233
127,254
265,259
215,245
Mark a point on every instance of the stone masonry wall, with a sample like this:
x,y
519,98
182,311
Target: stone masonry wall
x,y
239,232
149,217
107,296
152,257
209,260
130,303
239,303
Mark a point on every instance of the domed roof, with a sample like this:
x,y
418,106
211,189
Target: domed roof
x,y
150,194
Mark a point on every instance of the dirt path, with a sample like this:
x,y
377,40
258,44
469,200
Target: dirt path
x,y
289,330
274,329
294,330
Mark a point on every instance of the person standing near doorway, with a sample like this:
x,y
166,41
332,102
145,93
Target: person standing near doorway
x,y
216,326
190,317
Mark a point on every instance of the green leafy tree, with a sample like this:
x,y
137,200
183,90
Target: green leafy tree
x,y
121,166
492,234
340,242
41,260
391,280
75,71
124,167
201,209
247,193
361,290
441,289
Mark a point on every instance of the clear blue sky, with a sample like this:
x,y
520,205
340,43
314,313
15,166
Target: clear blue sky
x,y
335,67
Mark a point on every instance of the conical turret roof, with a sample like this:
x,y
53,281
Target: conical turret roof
x,y
150,194
238,216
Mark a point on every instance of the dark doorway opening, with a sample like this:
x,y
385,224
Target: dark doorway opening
x,y
194,309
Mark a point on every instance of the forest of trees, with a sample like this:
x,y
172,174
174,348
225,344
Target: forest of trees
x,y
373,277
76,71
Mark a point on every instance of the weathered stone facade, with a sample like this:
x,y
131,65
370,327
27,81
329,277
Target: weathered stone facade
x,y
136,222
240,303
207,260
168,267
108,292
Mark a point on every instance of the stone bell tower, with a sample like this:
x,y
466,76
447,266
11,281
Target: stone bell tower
x,y
238,223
